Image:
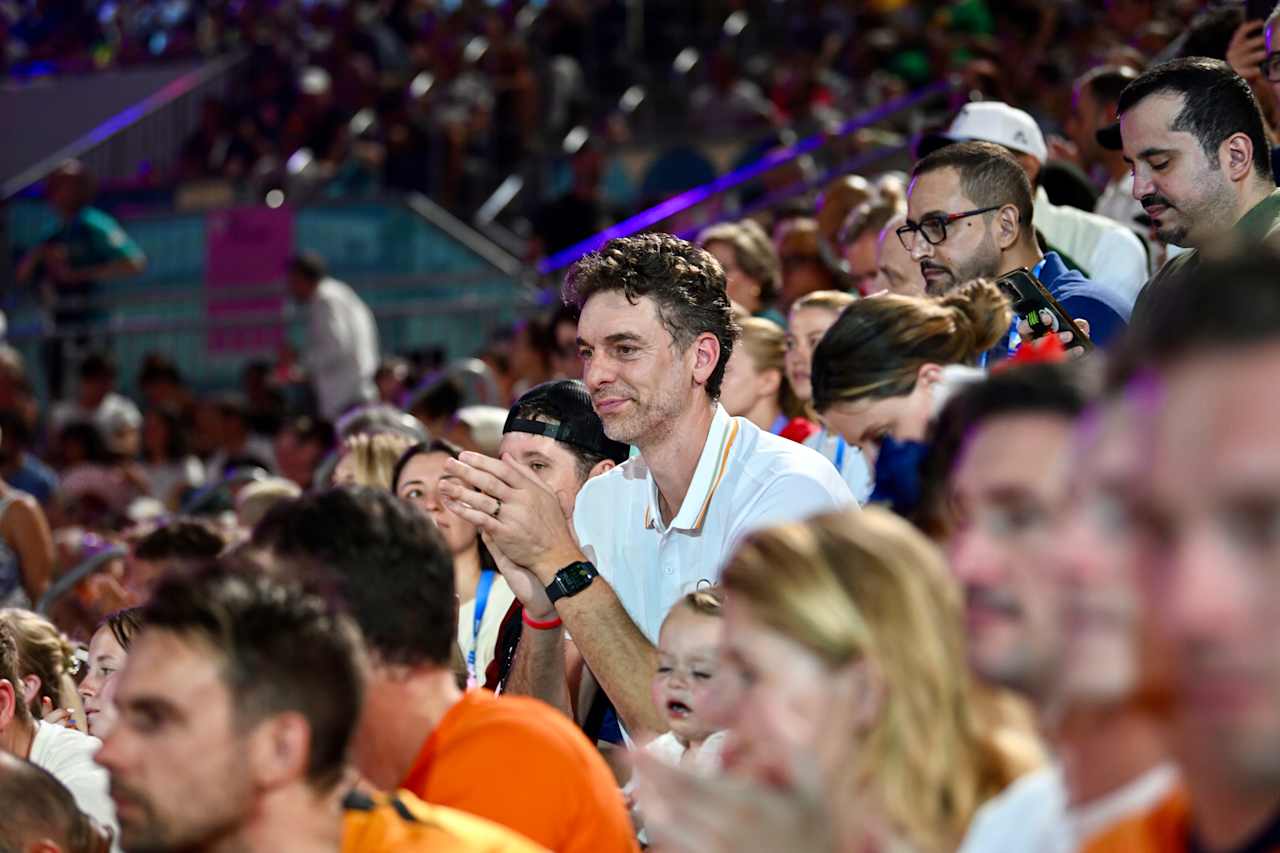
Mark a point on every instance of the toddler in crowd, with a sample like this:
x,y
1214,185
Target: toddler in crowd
x,y
688,660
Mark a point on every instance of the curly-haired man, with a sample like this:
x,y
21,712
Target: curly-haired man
x,y
655,334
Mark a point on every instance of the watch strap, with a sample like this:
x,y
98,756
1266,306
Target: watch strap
x,y
571,580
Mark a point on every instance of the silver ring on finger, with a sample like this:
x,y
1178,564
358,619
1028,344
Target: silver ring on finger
x,y
497,507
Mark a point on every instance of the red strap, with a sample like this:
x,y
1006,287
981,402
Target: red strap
x,y
541,626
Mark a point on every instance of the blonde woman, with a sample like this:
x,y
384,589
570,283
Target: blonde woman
x,y
890,362
46,662
854,727
369,459
755,384
808,321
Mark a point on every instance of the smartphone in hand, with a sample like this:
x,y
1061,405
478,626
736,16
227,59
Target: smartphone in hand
x,y
1030,299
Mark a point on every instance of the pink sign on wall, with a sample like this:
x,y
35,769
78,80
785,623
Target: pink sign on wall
x,y
246,250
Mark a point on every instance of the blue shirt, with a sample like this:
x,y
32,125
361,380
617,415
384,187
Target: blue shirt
x,y
1106,310
35,478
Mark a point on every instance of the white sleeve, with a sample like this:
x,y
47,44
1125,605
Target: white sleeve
x,y
68,756
1120,262
326,337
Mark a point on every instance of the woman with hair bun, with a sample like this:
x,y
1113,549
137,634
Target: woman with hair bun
x,y
47,662
890,362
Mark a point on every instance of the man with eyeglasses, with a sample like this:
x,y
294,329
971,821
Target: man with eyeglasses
x,y
1192,132
969,210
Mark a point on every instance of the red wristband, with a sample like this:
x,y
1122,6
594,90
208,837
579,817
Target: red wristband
x,y
540,626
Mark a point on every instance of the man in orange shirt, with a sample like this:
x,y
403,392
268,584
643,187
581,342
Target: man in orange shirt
x,y
1208,510
512,760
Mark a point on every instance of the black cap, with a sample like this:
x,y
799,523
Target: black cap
x,y
1109,137
931,142
571,418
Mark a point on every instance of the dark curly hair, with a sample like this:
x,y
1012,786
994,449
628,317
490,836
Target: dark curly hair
x,y
686,284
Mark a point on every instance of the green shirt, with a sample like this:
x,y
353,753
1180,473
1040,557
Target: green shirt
x,y
90,238
93,237
1261,223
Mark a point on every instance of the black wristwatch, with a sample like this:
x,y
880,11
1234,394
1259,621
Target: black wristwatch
x,y
571,580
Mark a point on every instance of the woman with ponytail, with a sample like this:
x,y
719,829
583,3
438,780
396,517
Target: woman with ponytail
x,y
46,663
890,362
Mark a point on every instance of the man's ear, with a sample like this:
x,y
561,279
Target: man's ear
x,y
706,355
1008,226
1235,156
30,687
600,467
929,374
8,703
280,749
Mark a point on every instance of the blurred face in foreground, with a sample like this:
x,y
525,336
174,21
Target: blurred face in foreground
x,y
178,757
781,691
1209,521
1008,483
1094,558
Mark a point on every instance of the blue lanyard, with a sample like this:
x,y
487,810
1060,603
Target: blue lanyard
x,y
779,424
482,602
840,446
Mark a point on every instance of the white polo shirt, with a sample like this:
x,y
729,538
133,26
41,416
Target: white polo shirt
x,y
746,479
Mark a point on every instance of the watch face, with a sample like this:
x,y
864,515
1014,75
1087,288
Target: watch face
x,y
576,578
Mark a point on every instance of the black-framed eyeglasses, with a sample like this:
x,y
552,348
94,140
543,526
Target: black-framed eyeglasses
x,y
1270,67
934,228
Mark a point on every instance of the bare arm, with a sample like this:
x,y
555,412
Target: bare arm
x,y
539,668
531,530
620,657
33,543
120,268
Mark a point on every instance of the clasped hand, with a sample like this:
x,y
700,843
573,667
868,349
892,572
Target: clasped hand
x,y
520,518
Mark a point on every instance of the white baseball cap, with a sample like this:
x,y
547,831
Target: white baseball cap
x,y
993,121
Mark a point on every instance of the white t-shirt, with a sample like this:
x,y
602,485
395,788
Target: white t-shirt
x,y
746,478
1033,814
68,756
1112,253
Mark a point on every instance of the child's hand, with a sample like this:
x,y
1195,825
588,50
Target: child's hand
x,y
56,716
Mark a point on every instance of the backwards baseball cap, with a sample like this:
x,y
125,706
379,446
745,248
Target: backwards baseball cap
x,y
991,121
1109,137
571,419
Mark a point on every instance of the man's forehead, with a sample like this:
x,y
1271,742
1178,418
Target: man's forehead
x,y
517,442
1220,418
1016,452
1150,121
610,312
180,665
928,189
